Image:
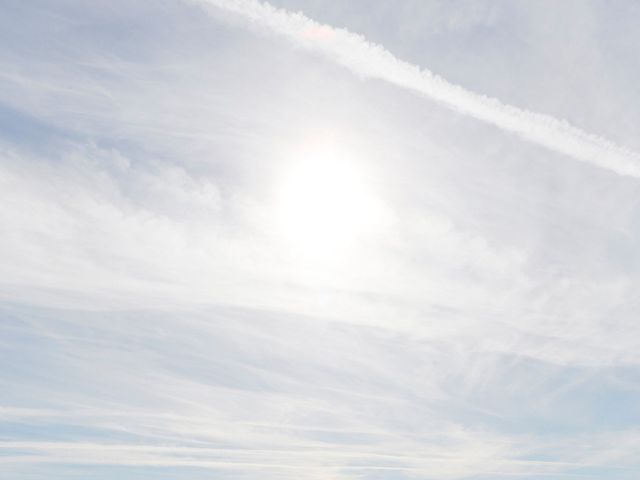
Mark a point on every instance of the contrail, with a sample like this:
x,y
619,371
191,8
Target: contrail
x,y
368,59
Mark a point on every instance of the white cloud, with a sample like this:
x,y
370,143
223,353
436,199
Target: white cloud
x,y
152,316
371,60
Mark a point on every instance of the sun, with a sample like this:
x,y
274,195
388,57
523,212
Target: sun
x,y
325,202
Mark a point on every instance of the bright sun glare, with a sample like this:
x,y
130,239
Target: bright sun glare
x,y
325,202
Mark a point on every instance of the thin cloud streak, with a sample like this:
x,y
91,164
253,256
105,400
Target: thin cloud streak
x,y
154,325
368,59
314,458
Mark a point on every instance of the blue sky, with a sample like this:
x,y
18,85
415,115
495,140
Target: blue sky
x,y
322,240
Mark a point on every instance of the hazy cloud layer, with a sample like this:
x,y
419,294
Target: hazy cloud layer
x,y
156,322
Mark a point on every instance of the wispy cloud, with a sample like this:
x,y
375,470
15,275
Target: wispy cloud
x,y
374,61
153,323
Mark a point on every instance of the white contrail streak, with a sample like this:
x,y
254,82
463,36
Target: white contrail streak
x,y
367,59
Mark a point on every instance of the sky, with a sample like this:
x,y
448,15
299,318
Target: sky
x,y
324,240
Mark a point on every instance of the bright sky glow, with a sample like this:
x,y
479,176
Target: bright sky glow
x,y
319,239
325,205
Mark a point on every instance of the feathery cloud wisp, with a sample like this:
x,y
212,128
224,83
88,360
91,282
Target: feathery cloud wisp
x,y
364,58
